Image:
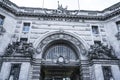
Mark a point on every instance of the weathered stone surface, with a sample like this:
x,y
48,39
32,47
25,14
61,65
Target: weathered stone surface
x,y
47,27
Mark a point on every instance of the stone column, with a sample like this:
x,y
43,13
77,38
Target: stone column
x,y
98,72
24,71
5,71
84,71
115,72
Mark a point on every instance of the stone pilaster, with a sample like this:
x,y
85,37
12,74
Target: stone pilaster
x,y
115,72
98,72
36,72
84,71
24,71
5,71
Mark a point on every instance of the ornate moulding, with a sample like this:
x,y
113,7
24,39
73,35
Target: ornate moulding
x,y
80,47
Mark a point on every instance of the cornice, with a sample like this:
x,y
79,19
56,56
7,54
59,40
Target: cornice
x,y
39,12
113,7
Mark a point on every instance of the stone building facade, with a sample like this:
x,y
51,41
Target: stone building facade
x,y
59,44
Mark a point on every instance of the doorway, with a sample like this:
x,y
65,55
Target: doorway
x,y
60,73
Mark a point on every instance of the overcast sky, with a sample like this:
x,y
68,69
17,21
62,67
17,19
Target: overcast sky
x,y
72,4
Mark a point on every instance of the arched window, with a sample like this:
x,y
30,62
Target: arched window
x,y
63,50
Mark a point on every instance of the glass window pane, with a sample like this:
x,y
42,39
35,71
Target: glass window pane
x,y
95,30
118,25
26,27
1,21
60,50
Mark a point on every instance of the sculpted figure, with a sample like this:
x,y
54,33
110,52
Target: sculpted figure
x,y
21,48
100,51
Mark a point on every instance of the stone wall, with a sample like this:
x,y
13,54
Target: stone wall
x,y
111,30
9,25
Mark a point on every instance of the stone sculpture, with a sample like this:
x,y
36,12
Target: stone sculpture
x,y
20,49
101,51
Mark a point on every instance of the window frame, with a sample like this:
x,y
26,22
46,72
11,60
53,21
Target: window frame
x,y
105,75
95,29
118,25
118,30
26,28
12,65
57,48
97,42
2,18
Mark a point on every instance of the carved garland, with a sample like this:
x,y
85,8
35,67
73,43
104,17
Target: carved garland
x,y
59,36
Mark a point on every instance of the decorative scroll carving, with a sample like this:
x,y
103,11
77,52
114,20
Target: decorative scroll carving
x,y
2,30
101,51
118,36
61,36
20,49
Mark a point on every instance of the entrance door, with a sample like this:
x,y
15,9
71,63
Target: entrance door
x,y
60,73
60,61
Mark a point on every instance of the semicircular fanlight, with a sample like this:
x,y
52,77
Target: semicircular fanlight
x,y
60,50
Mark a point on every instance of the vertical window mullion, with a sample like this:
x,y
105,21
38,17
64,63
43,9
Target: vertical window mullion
x,y
95,30
26,27
60,50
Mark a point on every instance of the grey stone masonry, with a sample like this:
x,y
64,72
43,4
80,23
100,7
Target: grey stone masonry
x,y
36,72
84,70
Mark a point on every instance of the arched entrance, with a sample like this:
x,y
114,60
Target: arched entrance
x,y
60,73
60,54
61,61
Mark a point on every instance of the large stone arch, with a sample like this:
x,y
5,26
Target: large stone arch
x,y
76,41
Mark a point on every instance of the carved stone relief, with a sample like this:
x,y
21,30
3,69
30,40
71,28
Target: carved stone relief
x,y
20,49
61,36
101,52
